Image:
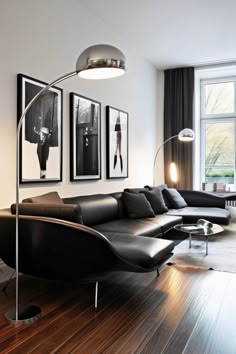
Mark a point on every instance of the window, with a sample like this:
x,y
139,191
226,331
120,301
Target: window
x,y
218,132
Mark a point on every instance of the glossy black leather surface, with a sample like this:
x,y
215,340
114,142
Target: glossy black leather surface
x,y
131,226
70,212
56,249
202,199
166,222
96,209
119,197
107,213
146,252
153,227
192,214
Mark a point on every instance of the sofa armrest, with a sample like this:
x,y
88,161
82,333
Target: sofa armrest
x,y
69,212
202,199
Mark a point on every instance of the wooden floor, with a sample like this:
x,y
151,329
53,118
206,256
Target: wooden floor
x,y
182,311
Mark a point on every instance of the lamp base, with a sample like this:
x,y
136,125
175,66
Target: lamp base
x,y
26,314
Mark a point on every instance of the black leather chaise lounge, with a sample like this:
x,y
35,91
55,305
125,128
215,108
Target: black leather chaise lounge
x,y
58,249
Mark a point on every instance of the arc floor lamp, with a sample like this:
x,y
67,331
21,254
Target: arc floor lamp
x,y
100,61
185,135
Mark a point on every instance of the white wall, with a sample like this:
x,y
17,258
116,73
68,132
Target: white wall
x,y
159,166
42,39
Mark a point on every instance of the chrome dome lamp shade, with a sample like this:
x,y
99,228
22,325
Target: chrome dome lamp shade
x,y
101,61
186,135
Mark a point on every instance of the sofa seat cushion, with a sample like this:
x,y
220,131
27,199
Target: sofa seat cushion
x,y
166,221
146,252
192,214
136,227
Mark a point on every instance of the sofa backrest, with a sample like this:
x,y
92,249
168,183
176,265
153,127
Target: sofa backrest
x,y
119,197
55,249
96,209
202,199
69,212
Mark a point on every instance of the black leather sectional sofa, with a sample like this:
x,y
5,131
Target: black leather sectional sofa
x,y
85,235
106,213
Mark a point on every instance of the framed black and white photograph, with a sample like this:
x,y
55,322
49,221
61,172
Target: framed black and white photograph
x,y
85,142
117,142
41,132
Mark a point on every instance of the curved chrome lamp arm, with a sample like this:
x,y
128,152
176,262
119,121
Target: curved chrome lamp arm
x,y
64,77
159,148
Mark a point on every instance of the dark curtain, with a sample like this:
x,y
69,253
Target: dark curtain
x,y
178,114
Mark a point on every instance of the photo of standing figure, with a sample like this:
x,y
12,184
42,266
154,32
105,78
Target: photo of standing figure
x,y
41,134
44,132
117,143
85,117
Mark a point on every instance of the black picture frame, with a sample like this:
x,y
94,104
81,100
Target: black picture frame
x,y
117,137
41,140
85,138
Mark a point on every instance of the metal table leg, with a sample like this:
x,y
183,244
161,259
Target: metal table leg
x,y
207,245
190,239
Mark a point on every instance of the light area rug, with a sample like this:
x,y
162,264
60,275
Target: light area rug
x,y
5,272
221,250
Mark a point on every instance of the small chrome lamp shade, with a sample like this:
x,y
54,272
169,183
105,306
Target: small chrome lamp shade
x,y
186,135
101,61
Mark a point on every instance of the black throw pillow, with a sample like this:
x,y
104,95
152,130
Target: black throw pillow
x,y
175,199
156,200
137,206
135,190
161,187
51,197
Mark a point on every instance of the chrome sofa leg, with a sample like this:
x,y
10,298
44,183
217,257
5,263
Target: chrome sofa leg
x,y
96,296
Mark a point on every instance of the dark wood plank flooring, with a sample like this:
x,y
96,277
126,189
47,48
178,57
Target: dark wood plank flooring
x,y
185,310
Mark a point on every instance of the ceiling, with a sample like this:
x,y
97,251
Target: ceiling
x,y
173,33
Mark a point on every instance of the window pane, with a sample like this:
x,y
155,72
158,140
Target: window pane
x,y
219,152
219,98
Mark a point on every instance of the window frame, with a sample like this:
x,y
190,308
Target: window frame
x,y
203,123
203,84
214,118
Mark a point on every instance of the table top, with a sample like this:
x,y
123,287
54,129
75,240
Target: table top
x,y
201,231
